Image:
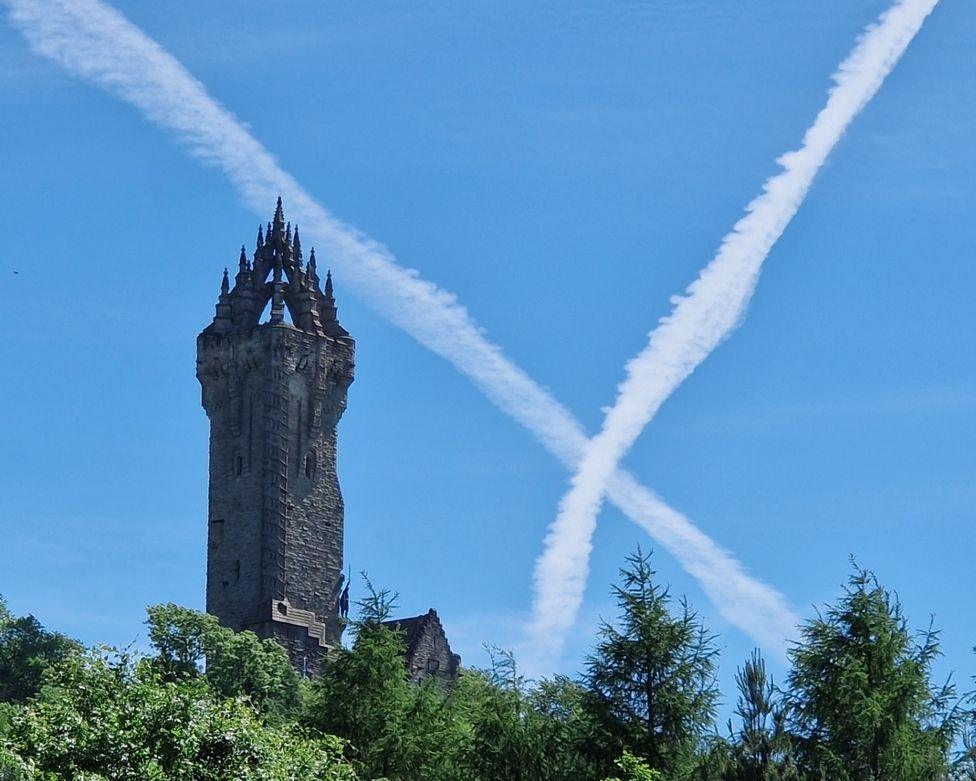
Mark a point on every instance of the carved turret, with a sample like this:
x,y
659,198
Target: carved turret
x,y
276,276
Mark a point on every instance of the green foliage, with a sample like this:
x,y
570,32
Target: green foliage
x,y
489,726
964,763
761,749
652,680
862,703
396,730
518,732
210,704
26,650
99,715
12,767
567,729
237,663
634,769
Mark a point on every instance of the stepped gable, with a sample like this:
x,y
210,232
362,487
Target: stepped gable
x,y
427,650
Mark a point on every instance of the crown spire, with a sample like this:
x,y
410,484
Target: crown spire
x,y
328,306
297,248
312,270
278,223
242,263
260,241
224,284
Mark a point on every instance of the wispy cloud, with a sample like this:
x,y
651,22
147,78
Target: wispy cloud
x,y
98,44
713,305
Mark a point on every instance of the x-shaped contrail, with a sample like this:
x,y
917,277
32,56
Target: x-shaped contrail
x,y
97,43
713,305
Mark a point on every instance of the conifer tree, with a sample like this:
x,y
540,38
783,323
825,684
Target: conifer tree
x,y
761,747
651,678
964,764
862,702
517,730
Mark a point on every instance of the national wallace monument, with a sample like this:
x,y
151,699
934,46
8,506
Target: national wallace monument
x,y
274,392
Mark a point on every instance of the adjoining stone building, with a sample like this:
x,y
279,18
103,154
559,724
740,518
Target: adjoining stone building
x,y
274,392
428,653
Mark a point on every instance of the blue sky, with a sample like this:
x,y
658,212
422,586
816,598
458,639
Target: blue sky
x,y
564,170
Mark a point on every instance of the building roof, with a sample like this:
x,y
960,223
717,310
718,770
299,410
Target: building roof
x,y
414,628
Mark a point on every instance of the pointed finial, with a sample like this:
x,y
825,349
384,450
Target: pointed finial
x,y
242,263
278,223
297,248
288,233
224,284
260,242
327,307
311,263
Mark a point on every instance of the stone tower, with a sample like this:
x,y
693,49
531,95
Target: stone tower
x,y
274,392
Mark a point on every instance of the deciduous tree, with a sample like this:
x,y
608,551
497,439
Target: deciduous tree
x,y
26,650
190,644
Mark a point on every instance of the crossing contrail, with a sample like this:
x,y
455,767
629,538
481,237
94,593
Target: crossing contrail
x,y
98,44
712,307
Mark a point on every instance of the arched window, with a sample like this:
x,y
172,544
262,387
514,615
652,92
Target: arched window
x,y
310,464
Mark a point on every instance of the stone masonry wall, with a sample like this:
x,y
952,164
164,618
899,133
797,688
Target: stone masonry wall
x,y
274,395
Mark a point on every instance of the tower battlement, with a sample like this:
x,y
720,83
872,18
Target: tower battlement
x,y
274,392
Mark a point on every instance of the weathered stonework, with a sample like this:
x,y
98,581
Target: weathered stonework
x,y
274,393
427,654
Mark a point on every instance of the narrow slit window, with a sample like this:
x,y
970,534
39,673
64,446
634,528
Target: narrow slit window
x,y
310,464
239,466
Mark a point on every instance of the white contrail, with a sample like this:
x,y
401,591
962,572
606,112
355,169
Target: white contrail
x,y
97,43
713,305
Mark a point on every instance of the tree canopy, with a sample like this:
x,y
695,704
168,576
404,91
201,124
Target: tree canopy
x,y
859,703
